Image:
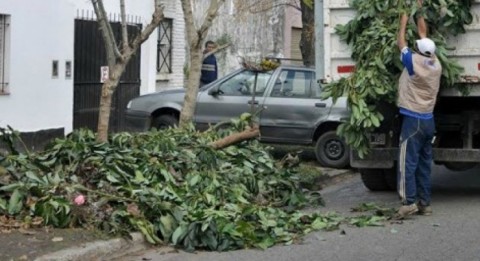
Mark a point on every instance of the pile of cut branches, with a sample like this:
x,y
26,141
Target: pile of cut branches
x,y
172,185
372,35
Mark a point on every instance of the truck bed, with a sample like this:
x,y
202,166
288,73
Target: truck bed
x,y
337,56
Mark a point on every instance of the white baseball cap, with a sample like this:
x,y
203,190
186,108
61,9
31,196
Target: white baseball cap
x,y
426,46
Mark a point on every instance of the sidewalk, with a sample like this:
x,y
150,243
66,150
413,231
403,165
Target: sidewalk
x,y
79,244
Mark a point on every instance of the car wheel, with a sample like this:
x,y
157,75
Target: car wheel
x,y
165,121
332,151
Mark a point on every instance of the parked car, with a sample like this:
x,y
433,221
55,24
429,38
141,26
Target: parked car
x,y
293,112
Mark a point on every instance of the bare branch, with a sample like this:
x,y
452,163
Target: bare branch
x,y
124,26
252,8
157,17
216,50
107,33
189,22
211,14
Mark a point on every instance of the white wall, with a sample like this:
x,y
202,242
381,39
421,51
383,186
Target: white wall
x,y
173,10
40,31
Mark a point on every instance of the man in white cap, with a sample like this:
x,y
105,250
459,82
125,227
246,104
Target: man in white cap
x,y
417,94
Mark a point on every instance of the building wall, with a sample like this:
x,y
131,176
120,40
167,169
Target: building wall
x,y
144,10
43,31
173,10
258,29
40,32
293,19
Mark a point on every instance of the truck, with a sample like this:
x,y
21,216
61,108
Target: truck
x,y
457,116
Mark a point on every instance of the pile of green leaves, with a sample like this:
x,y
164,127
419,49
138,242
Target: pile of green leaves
x,y
372,35
171,185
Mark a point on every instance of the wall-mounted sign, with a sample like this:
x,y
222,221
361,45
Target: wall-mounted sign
x,y
68,69
104,72
55,69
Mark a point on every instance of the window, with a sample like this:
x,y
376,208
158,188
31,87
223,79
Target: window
x,y
242,84
4,53
164,46
293,83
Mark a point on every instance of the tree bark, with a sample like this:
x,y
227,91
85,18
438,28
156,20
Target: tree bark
x,y
195,39
236,138
118,60
307,41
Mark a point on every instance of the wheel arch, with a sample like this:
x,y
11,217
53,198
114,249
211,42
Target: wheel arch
x,y
324,127
165,110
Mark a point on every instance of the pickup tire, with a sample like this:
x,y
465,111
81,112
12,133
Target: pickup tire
x,y
332,151
164,121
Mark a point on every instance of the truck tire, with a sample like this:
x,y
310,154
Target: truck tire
x,y
332,151
391,178
374,179
164,121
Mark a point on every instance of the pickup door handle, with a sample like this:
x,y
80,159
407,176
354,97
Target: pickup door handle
x,y
255,102
320,105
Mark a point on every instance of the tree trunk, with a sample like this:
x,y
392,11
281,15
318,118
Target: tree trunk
x,y
307,41
195,39
108,88
189,104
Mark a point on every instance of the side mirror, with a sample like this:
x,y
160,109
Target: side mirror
x,y
213,91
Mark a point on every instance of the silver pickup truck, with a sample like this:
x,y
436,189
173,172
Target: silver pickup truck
x,y
289,96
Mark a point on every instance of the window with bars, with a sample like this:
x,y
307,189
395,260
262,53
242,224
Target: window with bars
x,y
4,50
164,46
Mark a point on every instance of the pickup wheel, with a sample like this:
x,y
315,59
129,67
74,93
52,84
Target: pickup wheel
x,y
164,121
332,151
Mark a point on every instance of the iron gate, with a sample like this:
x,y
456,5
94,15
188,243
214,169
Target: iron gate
x,y
90,55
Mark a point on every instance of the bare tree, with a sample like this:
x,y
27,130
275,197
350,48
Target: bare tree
x,y
195,38
118,59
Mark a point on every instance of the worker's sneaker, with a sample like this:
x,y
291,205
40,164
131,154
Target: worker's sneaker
x,y
406,210
424,210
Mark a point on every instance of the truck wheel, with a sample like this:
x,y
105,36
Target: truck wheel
x,y
391,178
374,179
332,151
165,121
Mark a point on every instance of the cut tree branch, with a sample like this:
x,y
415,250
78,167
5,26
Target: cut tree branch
x,y
236,138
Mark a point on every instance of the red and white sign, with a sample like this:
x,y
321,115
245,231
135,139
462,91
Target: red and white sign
x,y
104,72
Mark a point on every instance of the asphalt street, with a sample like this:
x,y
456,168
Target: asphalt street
x,y
451,233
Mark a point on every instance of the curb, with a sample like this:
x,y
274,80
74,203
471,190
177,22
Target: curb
x,y
99,250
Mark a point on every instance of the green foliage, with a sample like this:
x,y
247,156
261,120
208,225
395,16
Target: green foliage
x,y
372,35
308,3
171,185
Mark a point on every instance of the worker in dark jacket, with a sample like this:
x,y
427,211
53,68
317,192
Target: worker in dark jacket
x,y
209,65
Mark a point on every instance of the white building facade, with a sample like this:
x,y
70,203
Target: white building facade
x,y
37,57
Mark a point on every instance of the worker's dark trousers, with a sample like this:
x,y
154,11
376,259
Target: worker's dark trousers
x,y
415,160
